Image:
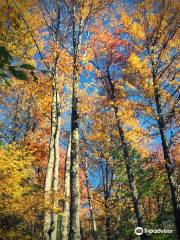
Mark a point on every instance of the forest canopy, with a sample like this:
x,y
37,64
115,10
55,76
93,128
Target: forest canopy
x,y
89,126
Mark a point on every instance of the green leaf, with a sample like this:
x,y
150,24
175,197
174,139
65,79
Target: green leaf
x,y
3,75
5,56
1,144
18,73
27,66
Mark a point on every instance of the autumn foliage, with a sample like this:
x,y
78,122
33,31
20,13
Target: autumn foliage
x,y
89,124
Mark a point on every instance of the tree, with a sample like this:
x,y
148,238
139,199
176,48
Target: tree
x,y
89,138
19,198
157,45
81,13
105,62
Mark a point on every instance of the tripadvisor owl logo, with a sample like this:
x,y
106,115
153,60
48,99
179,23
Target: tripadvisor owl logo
x,y
139,231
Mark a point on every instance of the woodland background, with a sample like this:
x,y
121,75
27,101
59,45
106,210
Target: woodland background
x,y
89,126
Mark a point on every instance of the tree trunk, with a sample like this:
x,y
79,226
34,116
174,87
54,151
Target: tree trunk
x,y
131,180
107,193
107,222
127,159
65,218
56,169
49,172
51,180
168,163
74,232
93,222
74,170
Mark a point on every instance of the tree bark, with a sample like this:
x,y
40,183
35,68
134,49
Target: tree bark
x,y
74,232
51,180
56,168
132,185
65,218
106,196
166,152
49,172
74,170
93,221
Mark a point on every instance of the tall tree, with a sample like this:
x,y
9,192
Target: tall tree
x,y
82,12
156,43
105,62
51,181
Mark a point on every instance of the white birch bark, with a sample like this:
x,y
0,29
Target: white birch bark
x,y
65,219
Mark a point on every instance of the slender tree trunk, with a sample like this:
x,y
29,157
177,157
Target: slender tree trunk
x,y
93,222
107,221
65,218
168,163
74,233
107,191
105,173
132,185
51,180
56,168
131,180
74,171
49,172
